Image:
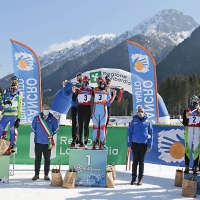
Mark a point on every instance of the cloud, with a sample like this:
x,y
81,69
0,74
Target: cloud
x,y
63,45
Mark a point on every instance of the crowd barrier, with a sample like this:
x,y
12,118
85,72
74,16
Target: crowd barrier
x,y
168,145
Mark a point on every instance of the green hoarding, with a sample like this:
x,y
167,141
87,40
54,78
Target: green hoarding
x,y
116,143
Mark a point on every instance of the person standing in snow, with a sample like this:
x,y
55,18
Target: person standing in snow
x,y
140,141
44,126
191,120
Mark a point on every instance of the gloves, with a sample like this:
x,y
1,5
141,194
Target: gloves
x,y
8,102
17,123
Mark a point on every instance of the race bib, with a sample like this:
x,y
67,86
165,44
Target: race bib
x,y
84,97
100,97
194,120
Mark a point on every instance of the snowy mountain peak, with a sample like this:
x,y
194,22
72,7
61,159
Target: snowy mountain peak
x,y
169,23
171,26
75,48
70,44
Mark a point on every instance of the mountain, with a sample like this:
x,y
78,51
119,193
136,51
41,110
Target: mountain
x,y
117,57
183,59
170,26
163,31
92,47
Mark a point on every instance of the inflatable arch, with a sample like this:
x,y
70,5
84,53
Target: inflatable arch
x,y
120,78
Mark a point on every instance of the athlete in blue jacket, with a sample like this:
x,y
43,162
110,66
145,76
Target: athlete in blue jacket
x,y
74,109
44,126
140,140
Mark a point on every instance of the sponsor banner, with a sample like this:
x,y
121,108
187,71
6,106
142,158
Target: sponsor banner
x,y
168,146
144,81
27,69
63,139
119,78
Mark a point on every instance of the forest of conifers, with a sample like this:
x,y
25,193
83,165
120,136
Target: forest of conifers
x,y
177,92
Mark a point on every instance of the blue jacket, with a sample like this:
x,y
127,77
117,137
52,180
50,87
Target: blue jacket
x,y
140,131
40,135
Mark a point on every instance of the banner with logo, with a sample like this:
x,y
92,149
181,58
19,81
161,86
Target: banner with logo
x,y
144,81
168,146
119,77
116,143
27,69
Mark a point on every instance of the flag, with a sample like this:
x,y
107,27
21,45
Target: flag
x,y
27,69
144,81
62,99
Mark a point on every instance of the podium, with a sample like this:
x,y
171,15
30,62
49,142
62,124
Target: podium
x,y
5,165
90,166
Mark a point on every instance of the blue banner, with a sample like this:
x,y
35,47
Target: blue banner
x,y
168,146
144,82
27,69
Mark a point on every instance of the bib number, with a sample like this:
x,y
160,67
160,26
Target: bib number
x,y
84,97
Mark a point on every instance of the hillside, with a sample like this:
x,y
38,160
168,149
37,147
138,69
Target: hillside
x,y
183,59
117,57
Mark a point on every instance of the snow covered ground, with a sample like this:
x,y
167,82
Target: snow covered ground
x,y
158,184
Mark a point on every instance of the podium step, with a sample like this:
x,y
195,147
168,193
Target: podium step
x,y
90,166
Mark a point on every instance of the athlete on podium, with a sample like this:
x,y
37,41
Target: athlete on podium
x,y
83,94
102,96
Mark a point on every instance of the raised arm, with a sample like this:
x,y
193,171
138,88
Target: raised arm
x,y
120,95
111,98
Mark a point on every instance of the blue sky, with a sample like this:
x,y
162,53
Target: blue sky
x,y
42,23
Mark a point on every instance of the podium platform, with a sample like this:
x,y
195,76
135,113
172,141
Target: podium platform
x,y
191,176
90,166
5,170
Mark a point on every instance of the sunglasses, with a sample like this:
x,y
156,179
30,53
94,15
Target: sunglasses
x,y
13,83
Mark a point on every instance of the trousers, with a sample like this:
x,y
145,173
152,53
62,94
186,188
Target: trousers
x,y
39,150
139,152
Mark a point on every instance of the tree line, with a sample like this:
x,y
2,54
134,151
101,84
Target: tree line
x,y
177,92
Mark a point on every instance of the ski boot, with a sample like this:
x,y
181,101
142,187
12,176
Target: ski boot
x,y
12,149
186,171
195,172
101,146
94,145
